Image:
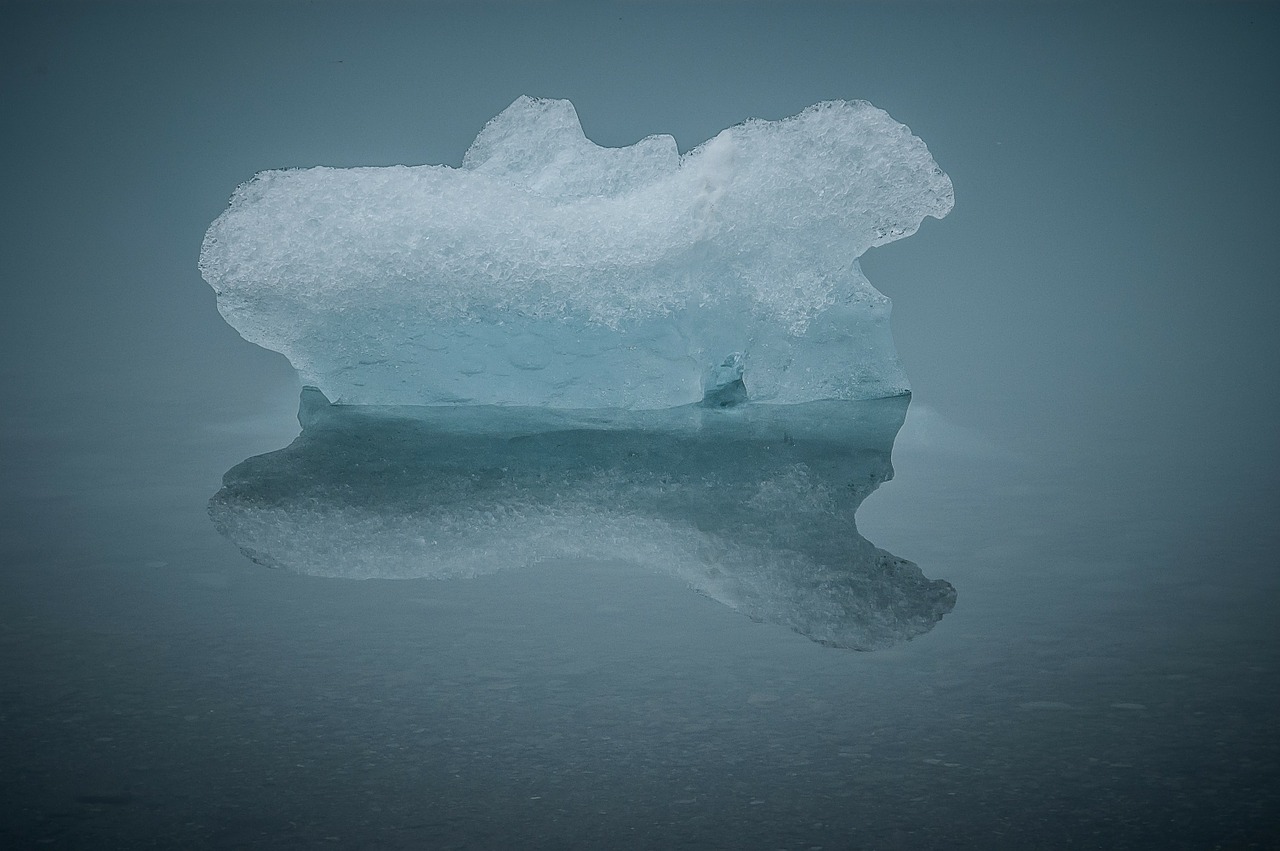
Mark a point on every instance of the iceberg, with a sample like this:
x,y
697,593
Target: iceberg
x,y
548,271
564,351
751,505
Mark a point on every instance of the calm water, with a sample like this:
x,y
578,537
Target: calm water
x,y
1107,678
1099,312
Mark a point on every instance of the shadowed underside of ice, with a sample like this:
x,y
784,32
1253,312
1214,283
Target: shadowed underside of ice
x,y
752,505
548,271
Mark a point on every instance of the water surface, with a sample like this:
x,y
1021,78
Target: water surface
x,y
1107,679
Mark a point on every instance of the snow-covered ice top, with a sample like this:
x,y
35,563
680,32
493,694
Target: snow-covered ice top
x,y
550,271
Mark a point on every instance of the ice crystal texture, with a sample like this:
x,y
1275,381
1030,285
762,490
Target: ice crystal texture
x,y
548,271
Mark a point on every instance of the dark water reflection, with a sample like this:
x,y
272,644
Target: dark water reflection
x,y
1110,681
752,505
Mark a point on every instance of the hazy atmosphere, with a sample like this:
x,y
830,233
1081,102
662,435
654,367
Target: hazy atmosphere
x,y
1089,454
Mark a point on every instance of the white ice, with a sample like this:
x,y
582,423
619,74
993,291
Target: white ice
x,y
549,271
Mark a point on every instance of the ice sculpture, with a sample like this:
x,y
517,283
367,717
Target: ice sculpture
x,y
548,271
753,504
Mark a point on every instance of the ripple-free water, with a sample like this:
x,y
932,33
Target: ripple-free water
x,y
1106,680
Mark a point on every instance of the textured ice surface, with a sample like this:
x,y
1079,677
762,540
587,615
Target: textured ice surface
x,y
548,271
522,345
753,505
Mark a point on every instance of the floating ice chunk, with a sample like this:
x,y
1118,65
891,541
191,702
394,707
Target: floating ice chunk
x,y
549,271
752,505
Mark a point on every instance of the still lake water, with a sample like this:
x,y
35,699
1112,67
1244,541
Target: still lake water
x,y
1107,678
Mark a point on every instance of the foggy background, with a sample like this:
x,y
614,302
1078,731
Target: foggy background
x,y
1109,263
1098,313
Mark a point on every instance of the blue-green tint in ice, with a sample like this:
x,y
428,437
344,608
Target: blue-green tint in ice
x,y
549,271
753,505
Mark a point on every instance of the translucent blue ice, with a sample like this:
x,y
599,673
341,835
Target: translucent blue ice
x,y
548,271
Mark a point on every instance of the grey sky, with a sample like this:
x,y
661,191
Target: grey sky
x,y
1110,262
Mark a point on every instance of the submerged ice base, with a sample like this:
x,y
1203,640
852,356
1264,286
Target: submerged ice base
x,y
549,271
751,505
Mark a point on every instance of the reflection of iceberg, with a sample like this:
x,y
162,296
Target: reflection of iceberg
x,y
752,504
